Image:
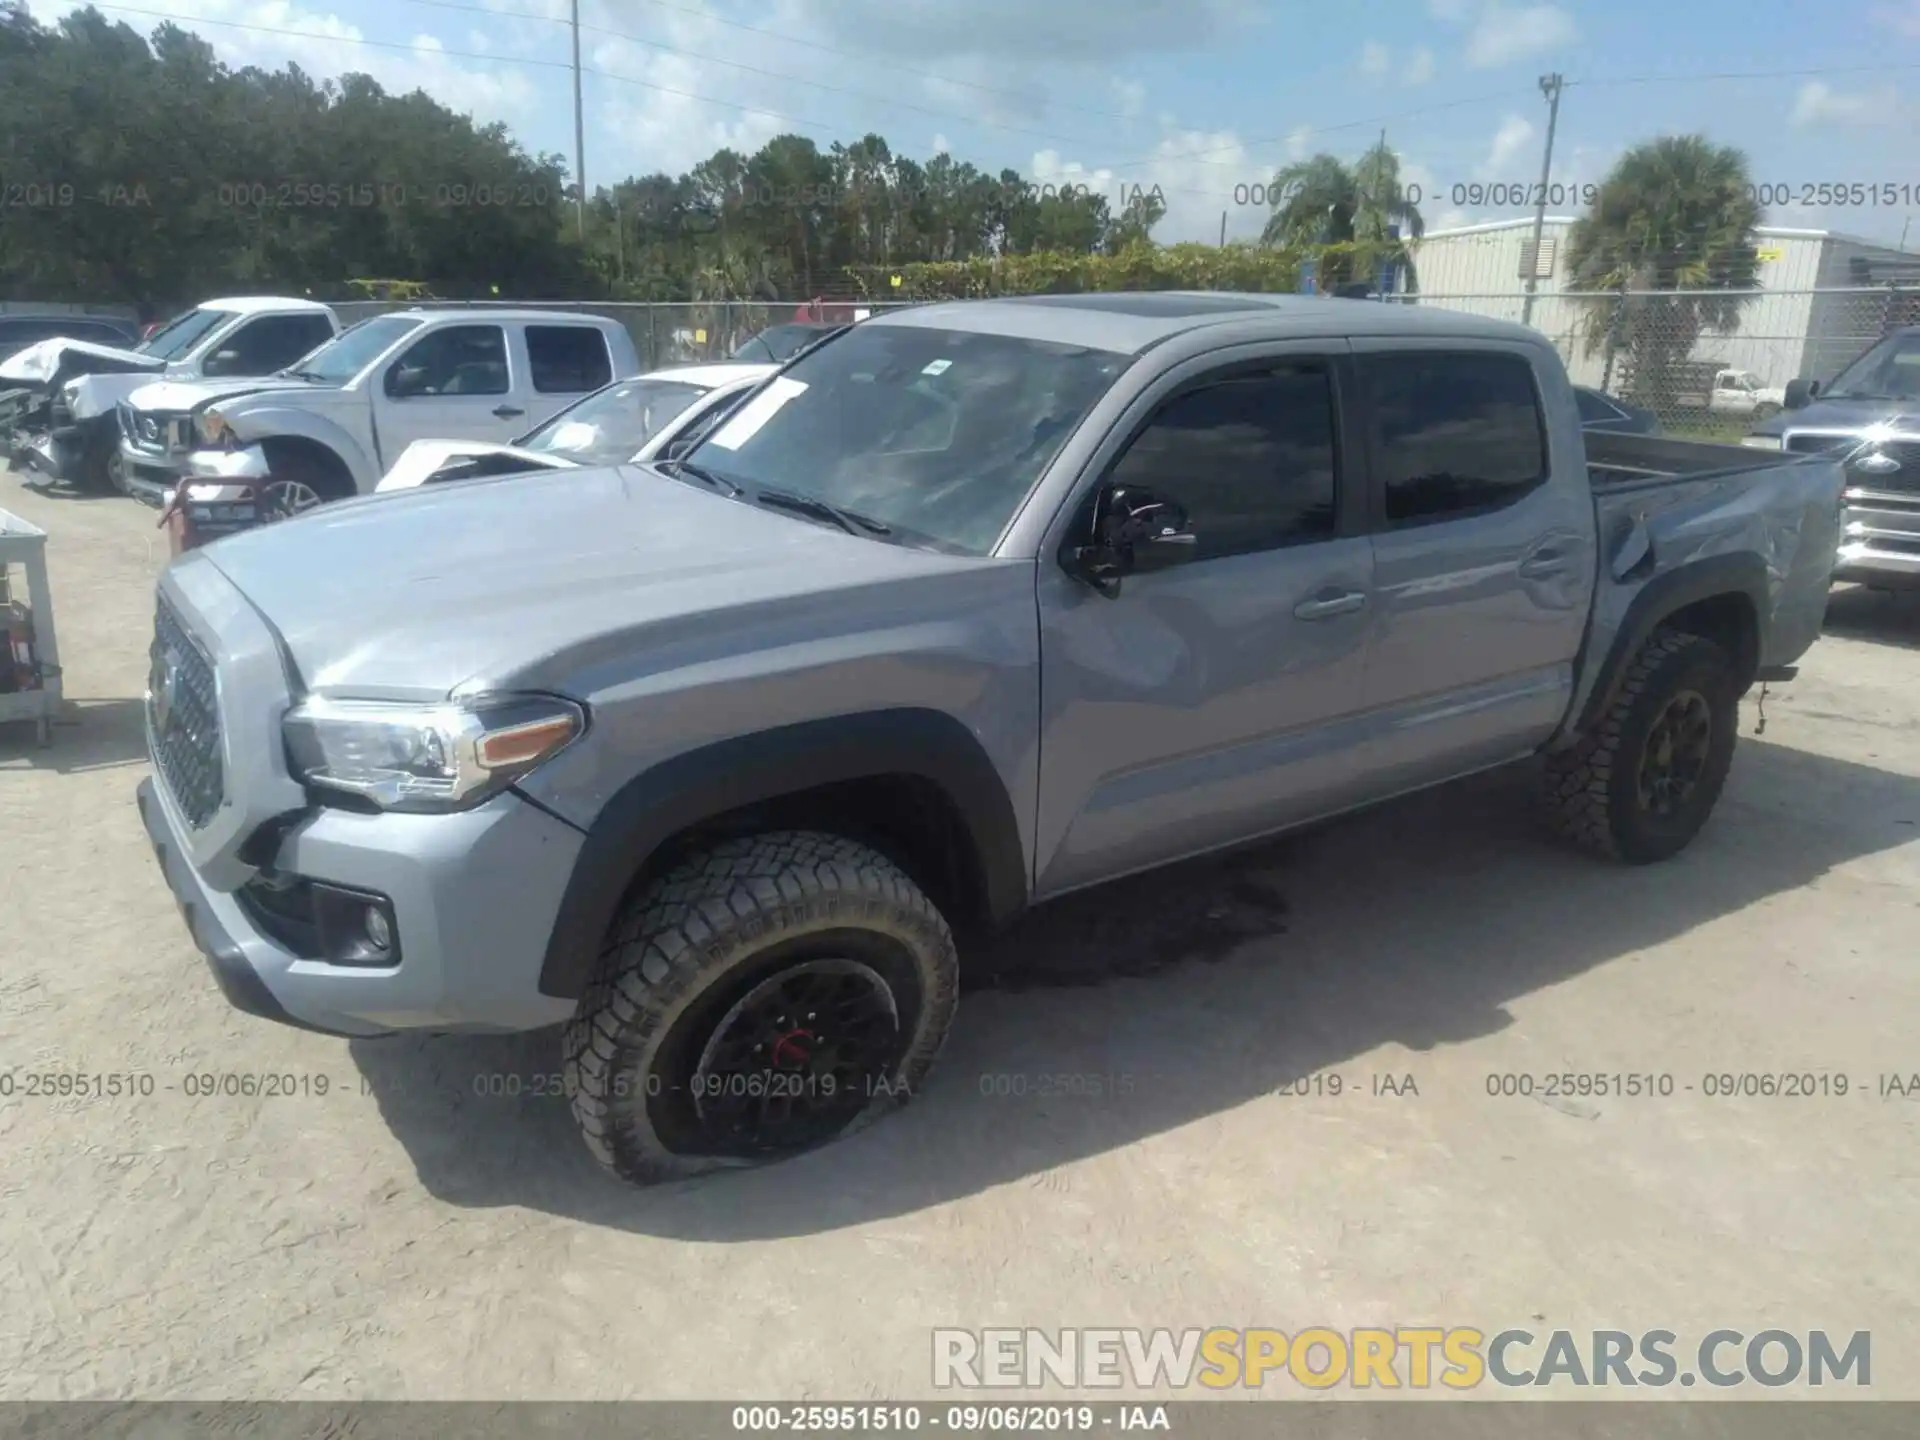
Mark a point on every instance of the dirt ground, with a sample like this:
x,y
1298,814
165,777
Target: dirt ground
x,y
409,1236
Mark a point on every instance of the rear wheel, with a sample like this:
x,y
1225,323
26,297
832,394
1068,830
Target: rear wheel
x,y
1640,784
761,998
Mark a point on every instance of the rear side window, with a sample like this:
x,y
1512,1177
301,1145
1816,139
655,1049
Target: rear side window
x,y
567,359
272,343
1456,434
1593,408
1250,459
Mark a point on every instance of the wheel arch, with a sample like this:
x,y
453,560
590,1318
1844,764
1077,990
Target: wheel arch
x,y
284,451
1722,598
915,784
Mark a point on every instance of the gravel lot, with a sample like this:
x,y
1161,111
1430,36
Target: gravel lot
x,y
407,1237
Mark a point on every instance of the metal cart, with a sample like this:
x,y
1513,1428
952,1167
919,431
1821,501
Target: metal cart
x,y
31,656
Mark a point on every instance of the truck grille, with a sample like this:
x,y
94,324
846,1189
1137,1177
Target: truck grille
x,y
183,718
1905,453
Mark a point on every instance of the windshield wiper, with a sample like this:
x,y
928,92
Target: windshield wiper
x,y
701,473
850,521
313,375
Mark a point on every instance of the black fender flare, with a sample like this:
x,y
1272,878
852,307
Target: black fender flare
x,y
670,797
1666,595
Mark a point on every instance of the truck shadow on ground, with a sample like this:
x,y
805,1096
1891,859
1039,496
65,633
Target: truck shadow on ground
x,y
88,735
1883,616
1162,1000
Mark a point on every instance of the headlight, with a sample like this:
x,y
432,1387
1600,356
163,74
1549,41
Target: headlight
x,y
1762,442
427,757
211,429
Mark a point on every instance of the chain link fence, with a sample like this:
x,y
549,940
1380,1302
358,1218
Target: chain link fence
x,y
1708,364
664,332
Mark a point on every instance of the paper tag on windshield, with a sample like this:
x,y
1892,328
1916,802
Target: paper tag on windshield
x,y
756,412
936,367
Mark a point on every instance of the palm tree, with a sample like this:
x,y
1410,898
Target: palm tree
x,y
1668,244
1323,201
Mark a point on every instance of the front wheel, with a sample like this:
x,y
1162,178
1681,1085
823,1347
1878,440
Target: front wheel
x,y
1640,784
761,998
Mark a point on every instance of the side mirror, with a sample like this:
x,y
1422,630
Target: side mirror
x,y
404,382
1800,394
221,362
1133,531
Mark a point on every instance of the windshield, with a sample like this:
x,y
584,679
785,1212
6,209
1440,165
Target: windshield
x,y
1889,371
182,333
610,425
938,434
780,342
352,350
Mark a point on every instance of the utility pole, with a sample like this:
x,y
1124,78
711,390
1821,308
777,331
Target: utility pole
x,y
1223,232
579,131
1550,86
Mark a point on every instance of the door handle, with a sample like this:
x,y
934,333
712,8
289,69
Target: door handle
x,y
1328,604
507,412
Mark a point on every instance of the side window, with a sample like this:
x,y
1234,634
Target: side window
x,y
270,343
1250,460
567,359
459,360
1458,434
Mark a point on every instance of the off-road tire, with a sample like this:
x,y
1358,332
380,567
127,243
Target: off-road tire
x,y
1592,792
700,927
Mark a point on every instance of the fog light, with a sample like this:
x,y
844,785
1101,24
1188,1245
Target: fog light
x,y
379,933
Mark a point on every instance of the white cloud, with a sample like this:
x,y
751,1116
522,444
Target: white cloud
x,y
1508,144
1904,17
324,46
1132,96
1196,172
1503,34
1819,103
1420,68
1299,141
1375,60
941,145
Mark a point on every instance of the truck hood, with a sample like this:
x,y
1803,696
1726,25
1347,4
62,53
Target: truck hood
x,y
181,397
495,583
421,460
46,363
1841,415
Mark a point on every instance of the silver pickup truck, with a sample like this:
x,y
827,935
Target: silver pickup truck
x,y
722,763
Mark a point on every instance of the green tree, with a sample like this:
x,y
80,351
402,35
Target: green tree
x,y
1669,241
1324,201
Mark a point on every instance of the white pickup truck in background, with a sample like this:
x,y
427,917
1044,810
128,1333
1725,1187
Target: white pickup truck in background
x,y
67,429
1741,392
330,427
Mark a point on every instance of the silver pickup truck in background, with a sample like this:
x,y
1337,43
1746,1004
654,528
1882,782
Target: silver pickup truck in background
x,y
721,761
1870,414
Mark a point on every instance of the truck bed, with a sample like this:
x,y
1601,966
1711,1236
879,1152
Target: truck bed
x,y
1621,459
1660,505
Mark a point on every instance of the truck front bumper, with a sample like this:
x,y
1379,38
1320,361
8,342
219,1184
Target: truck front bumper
x,y
469,900
1880,540
149,474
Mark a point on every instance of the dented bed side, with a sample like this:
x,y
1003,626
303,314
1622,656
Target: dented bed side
x,y
1768,529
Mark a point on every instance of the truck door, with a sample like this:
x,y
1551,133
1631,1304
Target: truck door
x,y
1483,553
1210,700
562,363
453,383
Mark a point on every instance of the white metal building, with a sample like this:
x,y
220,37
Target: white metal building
x,y
1787,330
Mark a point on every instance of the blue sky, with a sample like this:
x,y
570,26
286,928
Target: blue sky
x,y
1197,97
